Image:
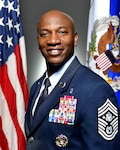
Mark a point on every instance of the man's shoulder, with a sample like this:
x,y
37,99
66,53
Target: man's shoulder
x,y
89,75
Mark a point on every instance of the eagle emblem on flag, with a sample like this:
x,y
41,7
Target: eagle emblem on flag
x,y
104,49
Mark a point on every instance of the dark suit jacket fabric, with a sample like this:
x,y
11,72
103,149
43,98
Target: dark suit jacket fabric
x,y
91,92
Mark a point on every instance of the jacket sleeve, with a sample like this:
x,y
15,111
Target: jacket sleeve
x,y
100,119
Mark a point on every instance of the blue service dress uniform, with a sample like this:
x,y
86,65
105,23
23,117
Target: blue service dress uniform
x,y
81,113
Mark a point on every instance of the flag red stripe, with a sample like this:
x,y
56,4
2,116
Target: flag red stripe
x,y
21,75
10,96
3,142
103,62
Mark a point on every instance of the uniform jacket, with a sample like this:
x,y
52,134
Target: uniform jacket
x,y
92,115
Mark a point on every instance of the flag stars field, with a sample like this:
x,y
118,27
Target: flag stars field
x,y
9,41
1,4
10,25
1,22
10,6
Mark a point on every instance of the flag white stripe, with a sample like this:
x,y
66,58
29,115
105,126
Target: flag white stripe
x,y
103,62
7,123
20,105
23,55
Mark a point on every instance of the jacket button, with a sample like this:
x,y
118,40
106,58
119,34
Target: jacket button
x,y
31,139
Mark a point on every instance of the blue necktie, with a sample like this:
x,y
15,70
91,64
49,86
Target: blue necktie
x,y
43,94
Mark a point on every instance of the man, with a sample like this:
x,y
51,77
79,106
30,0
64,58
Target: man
x,y
80,111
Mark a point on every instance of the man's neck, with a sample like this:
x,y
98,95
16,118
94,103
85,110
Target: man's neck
x,y
51,69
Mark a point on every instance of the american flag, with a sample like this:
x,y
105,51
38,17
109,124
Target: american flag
x,y
105,60
13,73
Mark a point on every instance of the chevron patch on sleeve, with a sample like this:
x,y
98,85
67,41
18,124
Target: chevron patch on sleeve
x,y
108,120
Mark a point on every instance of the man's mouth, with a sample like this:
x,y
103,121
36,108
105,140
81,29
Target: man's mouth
x,y
54,52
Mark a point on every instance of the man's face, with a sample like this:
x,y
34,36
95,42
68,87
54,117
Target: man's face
x,y
56,38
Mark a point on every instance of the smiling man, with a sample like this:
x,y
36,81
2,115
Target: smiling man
x,y
56,38
70,107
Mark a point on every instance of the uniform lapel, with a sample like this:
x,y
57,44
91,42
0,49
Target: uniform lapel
x,y
53,99
29,118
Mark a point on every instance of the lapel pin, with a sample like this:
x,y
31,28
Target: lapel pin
x,y
71,90
62,84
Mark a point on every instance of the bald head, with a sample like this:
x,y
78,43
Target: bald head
x,y
56,38
58,15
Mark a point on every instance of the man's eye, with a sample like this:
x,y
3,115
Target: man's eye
x,y
43,34
63,32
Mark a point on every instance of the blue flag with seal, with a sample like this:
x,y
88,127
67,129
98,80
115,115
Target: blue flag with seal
x,y
103,41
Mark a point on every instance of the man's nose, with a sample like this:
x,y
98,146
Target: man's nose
x,y
54,39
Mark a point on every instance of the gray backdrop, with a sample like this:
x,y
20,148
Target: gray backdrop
x,y
31,10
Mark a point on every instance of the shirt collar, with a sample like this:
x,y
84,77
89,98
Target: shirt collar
x,y
54,78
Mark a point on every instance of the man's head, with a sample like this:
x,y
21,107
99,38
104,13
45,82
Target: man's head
x,y
56,37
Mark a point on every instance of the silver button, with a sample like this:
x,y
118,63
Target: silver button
x,y
31,139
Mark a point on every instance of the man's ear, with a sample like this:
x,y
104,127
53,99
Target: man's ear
x,y
75,38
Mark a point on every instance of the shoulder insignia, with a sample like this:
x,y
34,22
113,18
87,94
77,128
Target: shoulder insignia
x,y
108,120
